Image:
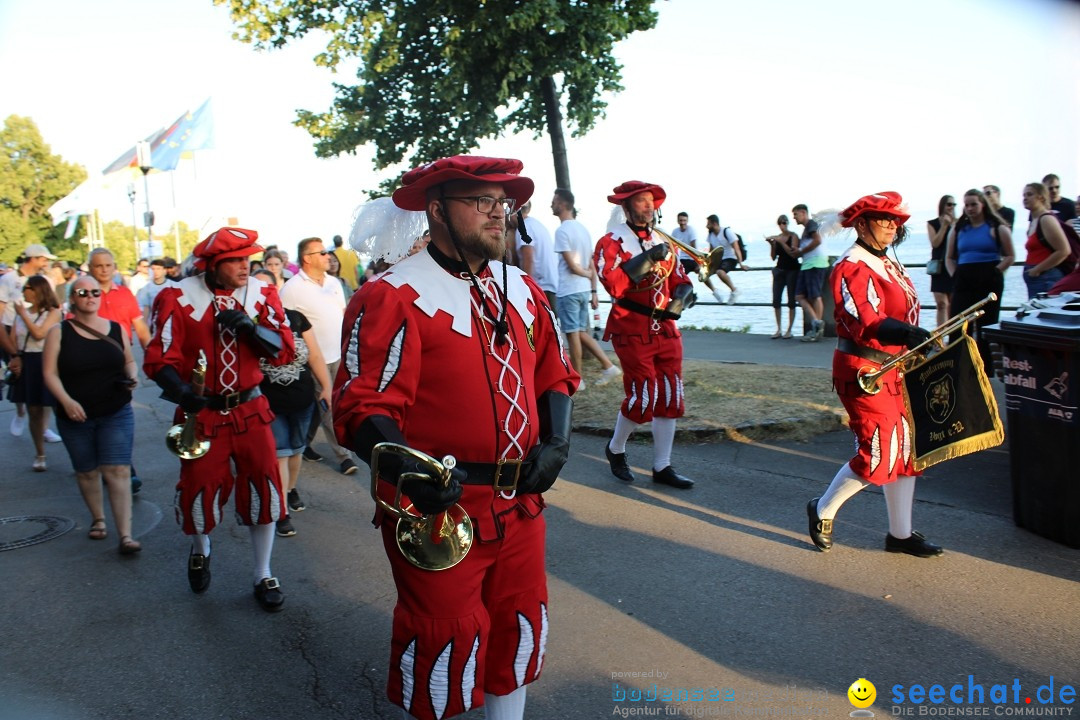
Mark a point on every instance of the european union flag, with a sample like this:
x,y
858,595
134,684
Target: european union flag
x,y
191,131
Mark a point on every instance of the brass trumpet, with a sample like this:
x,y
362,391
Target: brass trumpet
x,y
869,378
418,539
181,439
708,262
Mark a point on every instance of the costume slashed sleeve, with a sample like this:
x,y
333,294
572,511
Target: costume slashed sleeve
x,y
380,367
168,328
553,368
859,299
272,316
608,256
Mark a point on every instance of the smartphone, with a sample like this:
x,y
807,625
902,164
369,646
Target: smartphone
x,y
324,406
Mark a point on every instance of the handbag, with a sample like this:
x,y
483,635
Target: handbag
x,y
935,266
10,376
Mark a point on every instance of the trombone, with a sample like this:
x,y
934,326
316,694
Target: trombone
x,y
708,262
869,378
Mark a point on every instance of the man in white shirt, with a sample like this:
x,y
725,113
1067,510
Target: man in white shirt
x,y
577,287
723,237
687,236
158,281
320,298
538,257
140,277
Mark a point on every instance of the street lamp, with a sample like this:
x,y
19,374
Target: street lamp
x,y
134,220
143,158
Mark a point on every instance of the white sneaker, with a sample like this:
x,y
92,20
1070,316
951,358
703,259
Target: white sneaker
x,y
732,297
581,385
18,425
605,377
51,436
718,296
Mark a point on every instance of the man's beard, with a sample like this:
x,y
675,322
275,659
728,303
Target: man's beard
x,y
645,220
483,246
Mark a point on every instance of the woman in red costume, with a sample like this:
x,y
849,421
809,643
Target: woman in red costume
x,y
877,315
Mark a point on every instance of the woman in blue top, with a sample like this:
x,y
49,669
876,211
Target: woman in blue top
x,y
979,251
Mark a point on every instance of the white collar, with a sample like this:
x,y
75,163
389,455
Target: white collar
x,y
197,296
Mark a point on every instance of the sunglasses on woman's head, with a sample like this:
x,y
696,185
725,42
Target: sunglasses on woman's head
x,y
83,292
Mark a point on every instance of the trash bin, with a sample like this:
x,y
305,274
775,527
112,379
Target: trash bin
x,y
1041,366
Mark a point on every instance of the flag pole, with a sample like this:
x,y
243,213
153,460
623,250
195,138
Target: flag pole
x,y
176,218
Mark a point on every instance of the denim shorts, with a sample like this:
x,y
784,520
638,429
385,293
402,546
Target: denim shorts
x,y
573,312
810,282
1043,283
98,441
290,431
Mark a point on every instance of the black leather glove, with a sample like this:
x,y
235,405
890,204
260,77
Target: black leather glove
x,y
640,266
238,321
894,332
682,299
176,390
546,460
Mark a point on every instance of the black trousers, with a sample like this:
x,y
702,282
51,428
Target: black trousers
x,y
971,283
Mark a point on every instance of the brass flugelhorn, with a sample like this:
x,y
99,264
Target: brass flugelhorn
x,y
869,377
708,262
425,542
182,439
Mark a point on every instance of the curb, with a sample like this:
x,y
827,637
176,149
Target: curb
x,y
771,429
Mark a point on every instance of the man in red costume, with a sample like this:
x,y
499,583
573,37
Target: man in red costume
x,y
451,351
649,288
234,320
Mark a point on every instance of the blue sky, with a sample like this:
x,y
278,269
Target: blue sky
x,y
742,109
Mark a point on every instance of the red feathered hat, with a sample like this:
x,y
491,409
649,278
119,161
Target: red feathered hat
x,y
228,242
630,188
412,195
888,203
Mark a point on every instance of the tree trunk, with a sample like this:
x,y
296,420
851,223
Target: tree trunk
x,y
555,132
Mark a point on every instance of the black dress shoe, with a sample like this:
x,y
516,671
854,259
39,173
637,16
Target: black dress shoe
x,y
820,530
269,596
619,467
916,545
198,572
668,476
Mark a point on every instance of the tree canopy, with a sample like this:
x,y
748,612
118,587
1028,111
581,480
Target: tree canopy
x,y
434,77
32,179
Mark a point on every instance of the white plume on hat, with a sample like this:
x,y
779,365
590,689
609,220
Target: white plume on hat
x,y
381,229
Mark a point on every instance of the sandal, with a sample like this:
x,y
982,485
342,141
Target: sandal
x,y
776,335
787,335
129,546
39,464
96,532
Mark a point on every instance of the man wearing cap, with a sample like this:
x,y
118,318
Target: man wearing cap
x,y
233,320
649,289
452,352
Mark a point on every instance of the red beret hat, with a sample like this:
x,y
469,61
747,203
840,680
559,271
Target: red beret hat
x,y
630,188
228,242
888,203
412,195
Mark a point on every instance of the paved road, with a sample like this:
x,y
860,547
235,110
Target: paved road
x,y
717,587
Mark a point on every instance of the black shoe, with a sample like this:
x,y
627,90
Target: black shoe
x,y
916,545
668,476
820,530
311,455
348,467
285,527
268,594
198,572
136,484
295,503
619,467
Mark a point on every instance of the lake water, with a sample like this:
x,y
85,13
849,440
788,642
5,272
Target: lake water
x,y
756,287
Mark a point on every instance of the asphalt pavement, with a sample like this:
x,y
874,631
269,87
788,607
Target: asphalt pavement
x,y
712,597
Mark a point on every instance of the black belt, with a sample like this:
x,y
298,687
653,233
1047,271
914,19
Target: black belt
x,y
501,475
847,345
233,400
646,310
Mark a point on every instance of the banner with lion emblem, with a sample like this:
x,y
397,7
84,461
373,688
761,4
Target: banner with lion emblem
x,y
951,405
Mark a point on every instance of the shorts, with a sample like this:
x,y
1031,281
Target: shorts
x,y
689,265
783,279
573,312
98,441
290,431
810,282
728,264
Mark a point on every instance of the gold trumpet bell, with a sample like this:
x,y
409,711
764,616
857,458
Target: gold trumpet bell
x,y
182,443
435,542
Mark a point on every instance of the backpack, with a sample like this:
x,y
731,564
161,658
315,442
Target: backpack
x,y
738,241
1068,264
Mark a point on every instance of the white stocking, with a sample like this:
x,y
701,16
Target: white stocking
x,y
841,489
200,545
262,542
899,497
506,707
624,426
663,437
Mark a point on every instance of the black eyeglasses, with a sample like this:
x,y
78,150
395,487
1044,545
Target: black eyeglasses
x,y
485,203
83,292
318,252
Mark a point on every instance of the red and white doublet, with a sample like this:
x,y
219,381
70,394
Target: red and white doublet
x,y
866,290
183,324
649,348
417,348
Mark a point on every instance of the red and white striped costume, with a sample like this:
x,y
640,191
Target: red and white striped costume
x,y
649,349
866,290
183,323
417,348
